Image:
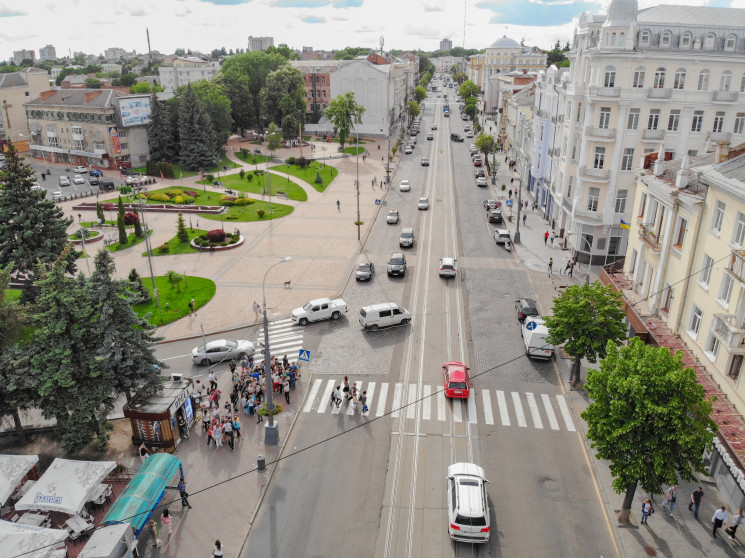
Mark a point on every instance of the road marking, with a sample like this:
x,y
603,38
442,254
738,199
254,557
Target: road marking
x,y
457,410
565,413
426,401
326,397
488,416
173,357
397,391
472,407
312,395
441,405
550,411
502,404
380,411
533,406
519,410
370,392
412,402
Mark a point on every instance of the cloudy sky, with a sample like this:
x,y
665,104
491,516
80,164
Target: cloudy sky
x,y
92,26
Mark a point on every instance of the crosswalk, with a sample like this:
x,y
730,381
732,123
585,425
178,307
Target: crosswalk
x,y
540,411
285,338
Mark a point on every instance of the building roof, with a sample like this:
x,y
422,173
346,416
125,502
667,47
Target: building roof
x,y
505,42
12,79
699,16
734,169
77,98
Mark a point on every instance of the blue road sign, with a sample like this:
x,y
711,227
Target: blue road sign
x,y
508,203
304,355
378,202
530,326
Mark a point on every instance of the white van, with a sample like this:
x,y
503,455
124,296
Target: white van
x,y
534,333
383,314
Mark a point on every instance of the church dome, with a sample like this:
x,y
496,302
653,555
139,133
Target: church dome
x,y
505,42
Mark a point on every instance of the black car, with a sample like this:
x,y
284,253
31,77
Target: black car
x,y
456,137
397,264
107,185
94,181
495,216
525,307
365,271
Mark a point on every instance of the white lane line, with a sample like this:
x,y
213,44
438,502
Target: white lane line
x,y
565,413
380,411
519,410
457,410
550,411
472,407
397,391
426,401
370,393
488,416
411,403
533,406
326,397
502,404
312,395
171,358
441,405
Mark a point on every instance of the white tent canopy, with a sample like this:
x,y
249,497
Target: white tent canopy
x,y
12,470
21,540
65,486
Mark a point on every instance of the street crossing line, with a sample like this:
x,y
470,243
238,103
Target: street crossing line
x,y
380,411
502,403
472,407
565,413
412,402
457,410
550,411
397,391
426,401
285,338
312,395
488,416
519,410
441,406
533,406
326,397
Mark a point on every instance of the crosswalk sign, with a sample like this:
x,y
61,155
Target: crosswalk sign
x,y
304,355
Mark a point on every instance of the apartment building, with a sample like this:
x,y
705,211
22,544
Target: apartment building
x,y
259,43
16,89
504,55
21,55
444,64
48,53
446,45
185,70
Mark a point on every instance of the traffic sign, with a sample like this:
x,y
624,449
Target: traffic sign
x,y
378,202
508,203
530,326
304,355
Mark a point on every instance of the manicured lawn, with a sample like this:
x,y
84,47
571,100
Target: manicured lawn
x,y
88,234
13,294
259,183
179,172
252,158
91,224
175,246
175,304
354,150
248,213
132,241
308,174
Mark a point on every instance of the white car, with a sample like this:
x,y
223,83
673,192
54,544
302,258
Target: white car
x,y
131,180
221,350
423,203
57,196
481,181
447,267
392,217
501,236
468,504
80,170
63,181
404,186
469,134
77,179
409,149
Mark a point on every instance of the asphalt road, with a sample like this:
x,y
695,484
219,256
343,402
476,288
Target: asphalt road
x,y
374,485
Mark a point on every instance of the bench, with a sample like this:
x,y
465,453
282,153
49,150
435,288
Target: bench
x,y
282,195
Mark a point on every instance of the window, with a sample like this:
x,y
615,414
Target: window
x,y
666,39
659,78
633,121
742,84
654,119
718,122
621,200
579,111
613,40
644,38
703,80
718,217
667,297
599,159
615,241
621,39
712,345
735,366
680,234
680,79
725,81
705,274
695,323
673,120
604,118
627,162
642,205
685,40
725,289
638,82
729,42
739,123
709,41
610,77
587,237
739,236
593,197
698,121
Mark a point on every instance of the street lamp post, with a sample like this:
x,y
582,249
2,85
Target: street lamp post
x,y
149,258
271,436
357,184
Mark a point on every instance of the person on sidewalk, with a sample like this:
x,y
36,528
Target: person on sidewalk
x,y
670,498
647,510
732,529
363,400
545,238
696,497
525,216
156,532
338,206
551,238
192,313
227,428
286,384
167,519
720,517
217,550
336,397
184,495
550,266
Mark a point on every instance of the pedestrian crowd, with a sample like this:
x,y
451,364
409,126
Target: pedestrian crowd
x,y
349,395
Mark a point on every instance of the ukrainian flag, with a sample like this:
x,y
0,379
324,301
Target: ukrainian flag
x,y
625,225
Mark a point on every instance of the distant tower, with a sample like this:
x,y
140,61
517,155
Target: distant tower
x,y
446,45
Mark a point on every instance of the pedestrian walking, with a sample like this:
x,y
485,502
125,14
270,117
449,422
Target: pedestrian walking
x,y
192,313
257,310
354,393
670,499
217,550
144,454
720,517
551,238
345,389
525,216
338,206
227,429
287,389
262,193
156,532
217,434
550,266
696,497
732,529
183,427
237,427
571,265
184,495
363,400
166,518
336,397
372,184
545,238
647,510
213,381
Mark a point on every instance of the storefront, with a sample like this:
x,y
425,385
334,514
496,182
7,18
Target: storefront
x,y
155,415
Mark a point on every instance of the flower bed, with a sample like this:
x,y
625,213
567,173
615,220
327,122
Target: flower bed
x,y
95,237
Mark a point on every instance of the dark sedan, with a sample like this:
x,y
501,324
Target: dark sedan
x,y
365,271
495,216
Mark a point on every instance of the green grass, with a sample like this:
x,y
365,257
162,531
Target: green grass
x,y
175,305
13,294
175,246
350,139
91,224
354,150
178,169
254,186
132,241
251,158
88,234
248,213
308,174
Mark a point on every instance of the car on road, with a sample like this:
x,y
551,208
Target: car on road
x,y
425,162
382,315
477,162
481,181
365,271
468,503
469,134
409,149
319,309
457,383
501,236
414,132
397,264
495,216
407,237
57,196
63,181
77,179
447,267
221,350
95,172
434,126
392,217
404,186
491,204
80,170
423,203
479,172
467,128
525,307
430,136
456,137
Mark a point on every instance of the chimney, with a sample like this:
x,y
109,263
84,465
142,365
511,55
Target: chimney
x,y
722,152
46,94
659,164
681,178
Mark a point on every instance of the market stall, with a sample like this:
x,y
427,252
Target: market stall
x,y
114,541
12,470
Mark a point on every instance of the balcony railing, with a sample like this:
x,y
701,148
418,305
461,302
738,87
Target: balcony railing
x,y
659,93
647,234
600,133
737,264
653,134
605,91
558,119
725,96
725,326
587,215
596,175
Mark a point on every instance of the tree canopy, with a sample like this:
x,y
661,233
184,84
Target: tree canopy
x,y
344,113
468,89
196,136
420,93
283,99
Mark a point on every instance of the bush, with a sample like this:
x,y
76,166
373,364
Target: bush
x,y
244,201
260,213
233,240
223,243
259,172
291,161
179,199
191,193
216,235
161,197
163,249
250,176
209,178
125,190
227,198
242,173
130,219
302,162
230,217
198,241
175,192
203,237
188,200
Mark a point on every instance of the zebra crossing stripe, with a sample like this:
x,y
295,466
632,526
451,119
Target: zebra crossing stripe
x,y
504,416
488,416
326,397
370,393
519,410
472,407
441,405
380,411
565,413
412,402
533,406
457,410
426,401
550,411
312,395
397,391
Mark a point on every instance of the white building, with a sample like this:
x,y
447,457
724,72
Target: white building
x,y
114,53
504,55
186,69
664,78
48,53
446,45
259,43
444,64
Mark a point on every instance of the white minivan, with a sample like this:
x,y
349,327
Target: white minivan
x,y
383,314
534,333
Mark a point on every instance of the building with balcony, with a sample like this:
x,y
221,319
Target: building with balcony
x,y
48,53
504,55
186,69
444,64
101,128
16,89
21,55
259,43
664,79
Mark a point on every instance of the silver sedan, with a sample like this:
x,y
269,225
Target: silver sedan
x,y
221,350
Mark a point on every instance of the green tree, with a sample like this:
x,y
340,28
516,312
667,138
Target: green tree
x,y
424,63
197,143
349,53
344,113
468,89
181,232
120,207
486,144
413,110
143,295
93,83
215,103
649,418
584,319
160,133
127,80
32,228
138,224
99,211
472,110
142,87
122,230
273,140
420,93
284,96
235,86
286,52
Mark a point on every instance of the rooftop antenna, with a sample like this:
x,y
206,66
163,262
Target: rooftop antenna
x,y
465,9
149,55
382,40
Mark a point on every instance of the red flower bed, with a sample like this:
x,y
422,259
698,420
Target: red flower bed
x,y
216,235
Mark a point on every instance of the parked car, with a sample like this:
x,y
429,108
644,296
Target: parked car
x,y
481,181
77,179
392,217
457,383
468,504
491,204
425,162
57,196
80,170
423,203
319,309
63,181
95,172
107,185
397,264
365,271
94,181
221,350
404,186
479,172
501,236
469,134
447,267
383,314
409,149
430,136
434,126
495,216
407,237
534,332
477,162
525,307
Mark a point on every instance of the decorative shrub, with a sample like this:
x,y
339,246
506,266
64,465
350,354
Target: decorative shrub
x,y
227,198
259,172
231,217
233,240
187,200
174,192
203,237
163,249
191,193
242,173
216,235
198,241
260,213
125,189
244,201
130,219
179,199
302,162
209,177
223,244
250,177
161,197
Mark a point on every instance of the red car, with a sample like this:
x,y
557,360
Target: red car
x,y
457,384
477,162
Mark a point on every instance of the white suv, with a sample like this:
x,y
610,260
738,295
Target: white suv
x,y
447,267
468,504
